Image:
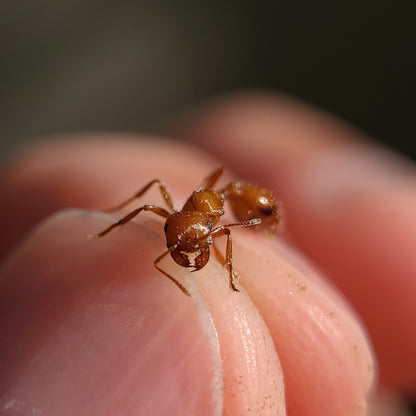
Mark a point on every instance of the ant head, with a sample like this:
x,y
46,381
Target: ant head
x,y
206,201
250,201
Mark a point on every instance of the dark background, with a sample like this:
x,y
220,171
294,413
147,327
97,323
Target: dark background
x,y
68,66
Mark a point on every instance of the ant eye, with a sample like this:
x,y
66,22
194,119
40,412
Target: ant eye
x,y
209,225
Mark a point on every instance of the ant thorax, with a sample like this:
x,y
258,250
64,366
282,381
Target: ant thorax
x,y
207,201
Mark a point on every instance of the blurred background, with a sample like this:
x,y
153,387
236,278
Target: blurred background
x,y
100,66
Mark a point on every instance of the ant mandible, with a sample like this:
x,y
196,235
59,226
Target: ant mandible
x,y
191,229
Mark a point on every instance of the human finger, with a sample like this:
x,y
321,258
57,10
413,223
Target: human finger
x,y
342,367
99,278
350,208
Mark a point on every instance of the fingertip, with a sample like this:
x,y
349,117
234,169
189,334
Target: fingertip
x,y
99,330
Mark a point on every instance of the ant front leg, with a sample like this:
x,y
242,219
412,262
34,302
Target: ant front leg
x,y
157,210
229,259
228,254
223,229
138,194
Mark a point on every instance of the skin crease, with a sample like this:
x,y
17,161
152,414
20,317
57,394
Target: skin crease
x,y
102,313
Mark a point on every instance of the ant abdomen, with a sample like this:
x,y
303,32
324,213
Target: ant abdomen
x,y
249,201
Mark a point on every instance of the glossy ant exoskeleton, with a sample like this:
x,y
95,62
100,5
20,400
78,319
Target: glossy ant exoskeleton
x,y
190,230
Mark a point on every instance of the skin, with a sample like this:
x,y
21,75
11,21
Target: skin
x,y
89,327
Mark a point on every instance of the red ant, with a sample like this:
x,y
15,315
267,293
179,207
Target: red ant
x,y
191,229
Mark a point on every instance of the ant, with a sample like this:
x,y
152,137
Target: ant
x,y
191,230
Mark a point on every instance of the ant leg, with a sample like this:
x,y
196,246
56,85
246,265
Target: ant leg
x,y
210,181
218,253
228,255
223,229
157,210
138,194
177,283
